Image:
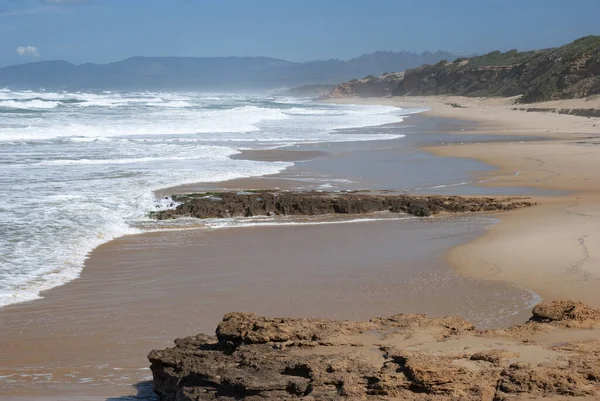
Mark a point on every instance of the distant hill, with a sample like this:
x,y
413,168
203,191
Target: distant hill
x,y
569,71
313,91
191,73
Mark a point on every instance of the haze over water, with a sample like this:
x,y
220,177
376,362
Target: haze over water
x,y
78,169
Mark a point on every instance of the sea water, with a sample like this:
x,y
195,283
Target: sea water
x,y
79,169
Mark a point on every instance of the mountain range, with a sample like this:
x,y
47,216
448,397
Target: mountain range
x,y
207,73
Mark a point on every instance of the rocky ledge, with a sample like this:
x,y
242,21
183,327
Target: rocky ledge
x,y
403,357
589,113
275,203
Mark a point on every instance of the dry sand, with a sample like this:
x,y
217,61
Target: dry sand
x,y
497,116
553,249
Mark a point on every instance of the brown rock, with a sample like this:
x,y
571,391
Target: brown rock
x,y
544,381
248,328
403,357
564,311
494,356
434,374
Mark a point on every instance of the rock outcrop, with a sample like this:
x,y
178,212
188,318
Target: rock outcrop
x,y
561,311
368,86
275,203
571,112
403,357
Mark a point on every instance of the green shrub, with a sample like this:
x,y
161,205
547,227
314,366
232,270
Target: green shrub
x,y
536,75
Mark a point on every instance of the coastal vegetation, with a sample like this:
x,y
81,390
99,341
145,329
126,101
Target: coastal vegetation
x,y
566,72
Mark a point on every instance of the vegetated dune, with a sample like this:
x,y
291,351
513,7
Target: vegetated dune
x,y
567,72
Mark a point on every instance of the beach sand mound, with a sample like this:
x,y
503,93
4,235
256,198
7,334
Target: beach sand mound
x,y
407,357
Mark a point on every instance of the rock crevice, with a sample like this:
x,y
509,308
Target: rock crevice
x,y
407,357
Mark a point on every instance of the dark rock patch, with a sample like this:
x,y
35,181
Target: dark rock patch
x,y
277,203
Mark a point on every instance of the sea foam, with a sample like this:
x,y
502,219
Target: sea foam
x,y
79,169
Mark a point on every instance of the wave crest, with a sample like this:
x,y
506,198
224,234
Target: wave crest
x,y
29,104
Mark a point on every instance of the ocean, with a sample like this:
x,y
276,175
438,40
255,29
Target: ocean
x,y
78,169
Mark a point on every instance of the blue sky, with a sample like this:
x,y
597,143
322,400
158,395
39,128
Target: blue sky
x,y
297,30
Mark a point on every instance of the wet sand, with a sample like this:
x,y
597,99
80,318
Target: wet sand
x,y
398,165
90,337
555,249
140,292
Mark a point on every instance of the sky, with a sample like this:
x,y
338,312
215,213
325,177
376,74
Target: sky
x,y
102,31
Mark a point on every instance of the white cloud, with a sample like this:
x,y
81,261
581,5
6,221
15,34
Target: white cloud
x,y
28,51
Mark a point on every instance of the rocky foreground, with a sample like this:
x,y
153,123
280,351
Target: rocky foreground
x,y
276,203
402,357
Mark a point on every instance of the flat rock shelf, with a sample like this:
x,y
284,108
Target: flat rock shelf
x,y
279,203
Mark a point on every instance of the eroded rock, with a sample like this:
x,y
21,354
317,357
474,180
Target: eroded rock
x,y
407,357
564,311
494,356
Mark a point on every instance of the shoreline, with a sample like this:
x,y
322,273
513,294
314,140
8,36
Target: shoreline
x,y
431,130
129,283
91,336
491,113
118,262
552,249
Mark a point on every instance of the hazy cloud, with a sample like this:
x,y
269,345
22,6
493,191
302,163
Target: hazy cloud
x,y
8,13
24,7
28,51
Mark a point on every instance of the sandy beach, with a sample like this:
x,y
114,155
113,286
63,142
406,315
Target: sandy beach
x,y
90,337
554,248
299,201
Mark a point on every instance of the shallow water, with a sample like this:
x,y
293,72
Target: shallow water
x,y
401,165
78,169
140,292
